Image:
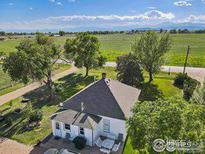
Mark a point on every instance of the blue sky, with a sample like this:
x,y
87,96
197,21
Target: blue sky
x,y
98,14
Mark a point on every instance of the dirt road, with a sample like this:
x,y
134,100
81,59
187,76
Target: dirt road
x,y
19,92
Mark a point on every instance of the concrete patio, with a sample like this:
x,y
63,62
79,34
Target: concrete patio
x,y
51,142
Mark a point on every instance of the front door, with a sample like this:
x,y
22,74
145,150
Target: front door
x,y
58,130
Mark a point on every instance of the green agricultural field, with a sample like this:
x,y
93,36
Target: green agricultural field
x,y
114,45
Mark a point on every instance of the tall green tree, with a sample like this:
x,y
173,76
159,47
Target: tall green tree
x,y
2,33
84,50
129,71
168,119
33,60
150,50
61,33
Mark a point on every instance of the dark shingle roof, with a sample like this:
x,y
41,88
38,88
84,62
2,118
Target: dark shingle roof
x,y
105,97
72,117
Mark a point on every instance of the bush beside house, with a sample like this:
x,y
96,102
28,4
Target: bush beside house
x,y
189,87
188,84
179,80
79,142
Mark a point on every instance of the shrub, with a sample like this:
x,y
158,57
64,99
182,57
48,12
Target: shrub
x,y
189,87
179,80
2,38
8,121
11,103
17,110
79,142
36,116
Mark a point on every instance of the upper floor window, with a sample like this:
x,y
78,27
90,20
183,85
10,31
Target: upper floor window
x,y
106,125
67,127
82,131
57,125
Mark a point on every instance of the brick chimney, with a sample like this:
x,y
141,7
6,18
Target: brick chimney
x,y
104,75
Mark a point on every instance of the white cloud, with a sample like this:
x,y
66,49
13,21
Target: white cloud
x,y
195,19
155,14
147,18
182,3
132,11
51,1
150,15
11,4
152,8
31,8
72,1
59,3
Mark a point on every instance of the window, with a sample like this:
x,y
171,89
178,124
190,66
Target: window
x,y
67,127
57,125
106,125
82,131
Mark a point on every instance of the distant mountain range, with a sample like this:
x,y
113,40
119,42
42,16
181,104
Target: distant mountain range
x,y
167,25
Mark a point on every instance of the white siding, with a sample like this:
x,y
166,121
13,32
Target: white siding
x,y
97,131
88,136
116,126
74,132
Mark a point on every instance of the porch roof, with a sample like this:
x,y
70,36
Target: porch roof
x,y
79,119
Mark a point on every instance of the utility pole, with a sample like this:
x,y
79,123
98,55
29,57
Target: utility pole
x,y
187,55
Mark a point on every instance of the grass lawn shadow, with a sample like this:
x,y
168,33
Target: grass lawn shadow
x,y
150,92
64,89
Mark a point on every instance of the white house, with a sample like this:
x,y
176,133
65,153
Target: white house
x,y
100,109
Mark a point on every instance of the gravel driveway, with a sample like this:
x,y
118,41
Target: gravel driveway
x,y
8,146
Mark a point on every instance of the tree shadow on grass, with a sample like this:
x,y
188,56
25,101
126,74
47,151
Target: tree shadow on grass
x,y
8,131
150,92
68,84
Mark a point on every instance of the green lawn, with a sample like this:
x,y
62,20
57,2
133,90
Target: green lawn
x,y
113,45
162,86
6,85
67,87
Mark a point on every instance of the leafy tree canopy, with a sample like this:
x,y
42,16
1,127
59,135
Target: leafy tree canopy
x,y
84,50
150,50
198,96
172,118
34,59
129,71
61,33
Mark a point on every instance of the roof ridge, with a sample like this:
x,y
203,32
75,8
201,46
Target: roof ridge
x,y
114,97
